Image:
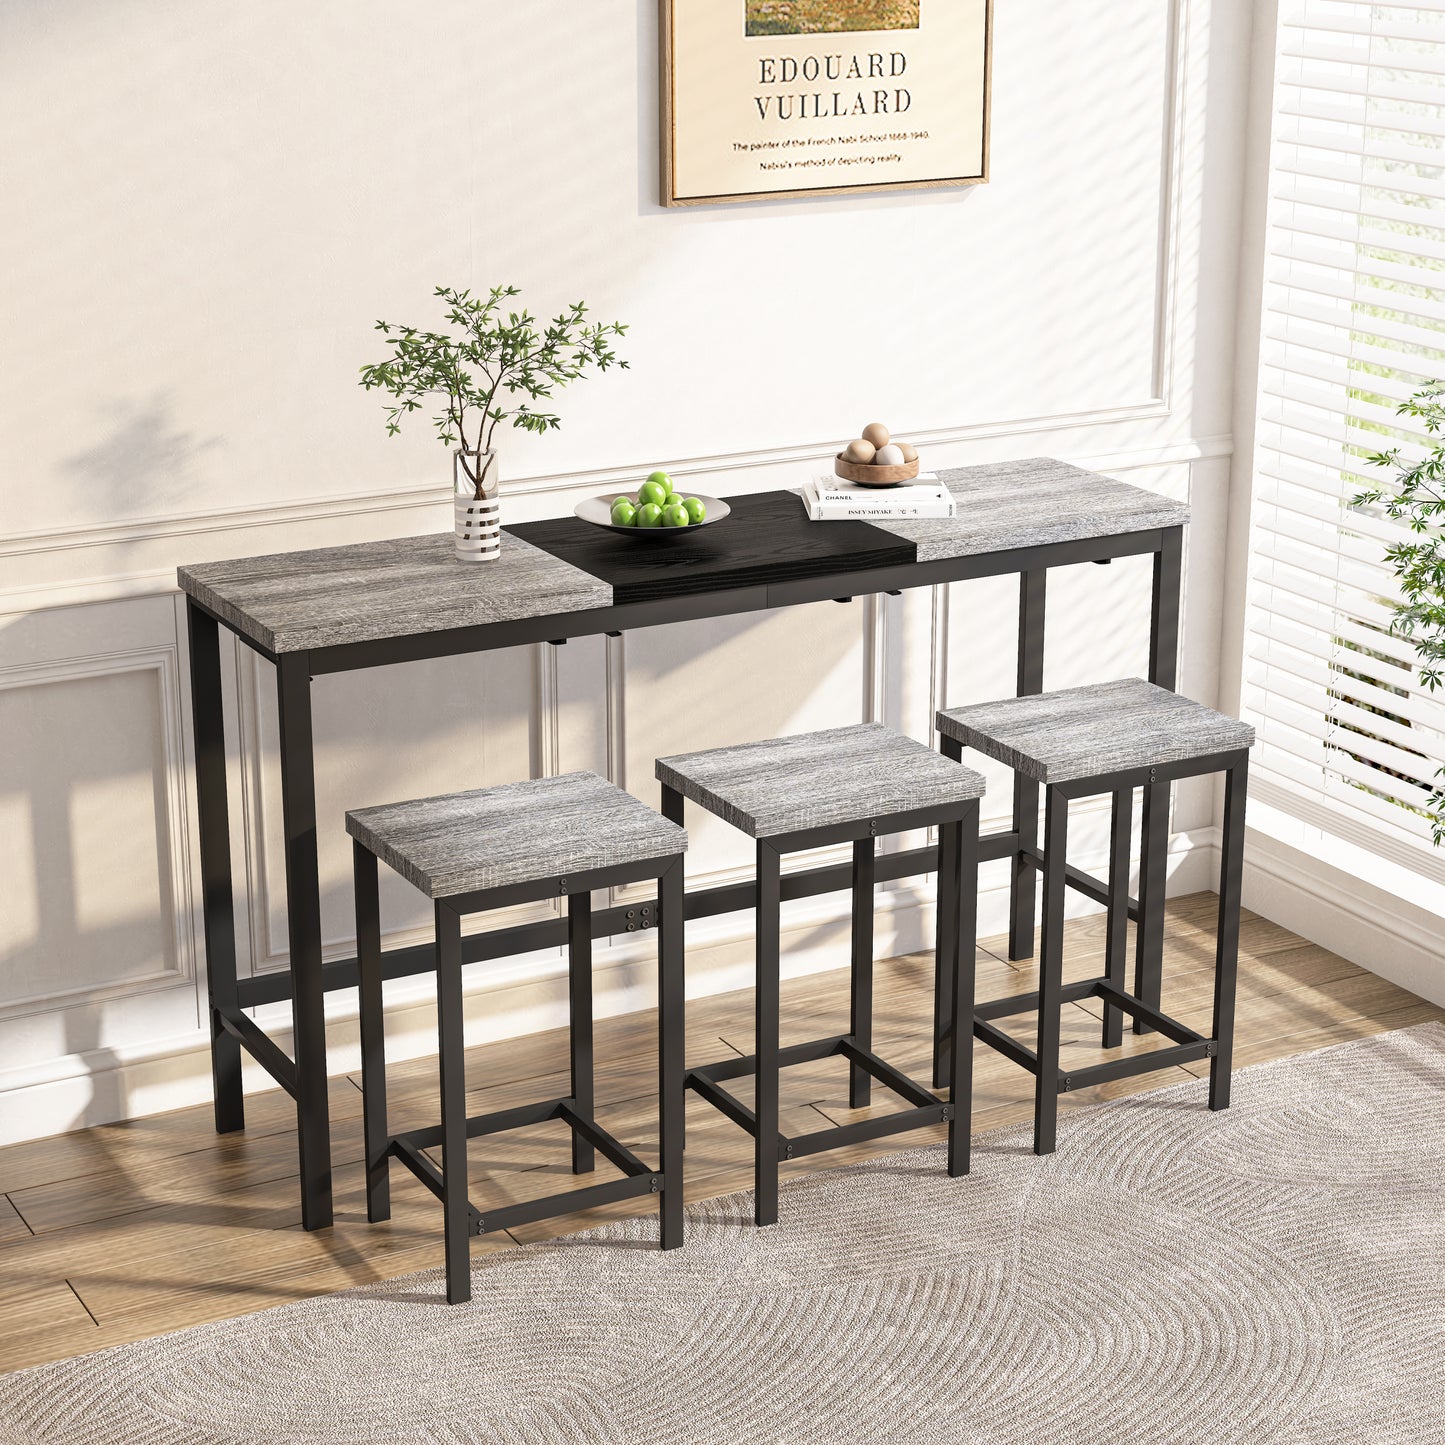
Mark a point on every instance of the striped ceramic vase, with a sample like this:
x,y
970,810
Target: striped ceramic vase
x,y
478,520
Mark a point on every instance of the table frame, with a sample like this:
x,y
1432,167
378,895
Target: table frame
x,y
303,1074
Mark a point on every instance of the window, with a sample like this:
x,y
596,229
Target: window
x,y
1354,322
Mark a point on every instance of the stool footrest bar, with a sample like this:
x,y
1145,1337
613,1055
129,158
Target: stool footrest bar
x,y
723,1101
865,1129
612,1149
258,1042
1161,1022
1082,882
887,1075
528,1211
1156,1059
1009,1048
927,1108
522,1117
1002,1008
746,1067
573,1201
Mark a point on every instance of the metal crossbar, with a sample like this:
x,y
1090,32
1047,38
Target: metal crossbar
x,y
924,1108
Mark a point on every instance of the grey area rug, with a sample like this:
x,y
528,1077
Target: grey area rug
x,y
1274,1273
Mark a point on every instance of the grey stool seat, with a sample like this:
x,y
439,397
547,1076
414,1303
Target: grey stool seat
x,y
814,780
842,785
517,833
494,848
1109,738
1087,732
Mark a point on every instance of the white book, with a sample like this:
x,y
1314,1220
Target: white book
x,y
831,499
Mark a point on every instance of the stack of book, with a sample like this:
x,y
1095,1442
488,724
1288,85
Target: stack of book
x,y
831,499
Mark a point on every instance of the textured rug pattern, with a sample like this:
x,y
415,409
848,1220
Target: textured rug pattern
x,y
1275,1273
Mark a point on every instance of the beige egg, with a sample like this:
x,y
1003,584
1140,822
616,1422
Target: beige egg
x,y
860,452
876,433
910,452
889,456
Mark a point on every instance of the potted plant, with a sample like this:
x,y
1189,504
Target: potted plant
x,y
1416,497
493,365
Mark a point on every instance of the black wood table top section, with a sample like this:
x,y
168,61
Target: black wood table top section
x,y
768,538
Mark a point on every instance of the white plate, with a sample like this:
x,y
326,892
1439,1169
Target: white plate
x,y
598,511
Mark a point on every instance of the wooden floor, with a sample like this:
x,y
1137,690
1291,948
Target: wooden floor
x,y
115,1233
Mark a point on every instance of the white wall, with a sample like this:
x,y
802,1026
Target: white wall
x,y
207,205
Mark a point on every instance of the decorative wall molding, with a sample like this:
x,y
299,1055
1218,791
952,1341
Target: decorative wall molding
x,y
163,664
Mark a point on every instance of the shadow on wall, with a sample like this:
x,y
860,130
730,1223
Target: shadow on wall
x,y
144,463
86,895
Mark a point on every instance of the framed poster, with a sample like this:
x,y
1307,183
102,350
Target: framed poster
x,y
770,98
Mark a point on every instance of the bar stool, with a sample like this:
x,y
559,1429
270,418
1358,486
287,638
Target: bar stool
x,y
494,848
1111,738
846,785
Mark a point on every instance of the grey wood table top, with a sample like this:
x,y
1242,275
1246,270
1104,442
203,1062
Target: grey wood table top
x,y
292,601
297,601
1087,732
515,833
1006,505
811,780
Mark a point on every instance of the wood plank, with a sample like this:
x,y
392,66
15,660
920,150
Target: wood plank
x,y
12,1226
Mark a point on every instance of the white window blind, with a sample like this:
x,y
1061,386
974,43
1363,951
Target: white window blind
x,y
1354,322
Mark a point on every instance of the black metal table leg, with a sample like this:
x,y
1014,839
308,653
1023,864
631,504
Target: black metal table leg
x,y
373,1035
1023,892
671,1085
860,1022
452,1067
1117,921
1051,970
579,990
303,912
1226,953
947,894
964,928
218,909
1154,828
766,1007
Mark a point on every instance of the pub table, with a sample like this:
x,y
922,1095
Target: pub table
x,y
341,609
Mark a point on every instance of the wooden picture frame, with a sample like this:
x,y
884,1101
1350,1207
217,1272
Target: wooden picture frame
x,y
717,150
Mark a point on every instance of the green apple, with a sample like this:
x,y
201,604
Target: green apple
x,y
649,514
624,512
696,512
675,515
661,479
653,491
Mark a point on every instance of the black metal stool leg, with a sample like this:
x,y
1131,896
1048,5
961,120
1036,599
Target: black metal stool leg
x,y
860,1082
579,988
1117,923
943,965
452,1066
964,930
671,1088
1051,971
373,1035
766,1003
1226,955
1153,876
1023,889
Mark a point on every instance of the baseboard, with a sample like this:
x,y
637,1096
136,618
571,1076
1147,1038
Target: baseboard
x,y
521,996
1371,927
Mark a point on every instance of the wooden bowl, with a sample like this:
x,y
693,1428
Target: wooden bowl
x,y
870,474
